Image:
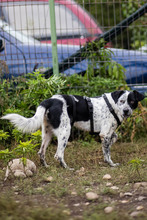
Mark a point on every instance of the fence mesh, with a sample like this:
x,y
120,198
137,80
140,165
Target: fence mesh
x,y
26,35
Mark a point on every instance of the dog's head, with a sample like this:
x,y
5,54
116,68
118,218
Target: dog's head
x,y
127,101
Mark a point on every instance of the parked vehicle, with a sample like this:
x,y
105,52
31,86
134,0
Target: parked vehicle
x,y
74,25
21,55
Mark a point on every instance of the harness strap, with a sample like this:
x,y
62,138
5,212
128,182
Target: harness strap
x,y
90,108
74,109
111,109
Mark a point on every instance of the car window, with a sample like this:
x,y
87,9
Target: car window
x,y
15,35
32,18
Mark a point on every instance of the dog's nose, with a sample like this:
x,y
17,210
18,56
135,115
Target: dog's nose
x,y
126,111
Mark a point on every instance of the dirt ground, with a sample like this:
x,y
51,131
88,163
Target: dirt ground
x,y
64,194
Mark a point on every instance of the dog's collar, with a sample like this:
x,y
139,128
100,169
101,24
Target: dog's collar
x,y
111,109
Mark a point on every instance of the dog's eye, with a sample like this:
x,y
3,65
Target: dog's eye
x,y
132,102
122,101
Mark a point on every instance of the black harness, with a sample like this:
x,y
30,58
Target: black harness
x,y
111,110
90,109
74,110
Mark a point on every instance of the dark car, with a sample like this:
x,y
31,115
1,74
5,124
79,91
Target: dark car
x,y
22,55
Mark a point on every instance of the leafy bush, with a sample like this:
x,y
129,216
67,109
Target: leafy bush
x,y
79,85
134,127
101,63
22,150
22,95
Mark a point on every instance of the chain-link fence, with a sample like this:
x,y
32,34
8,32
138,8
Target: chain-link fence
x,y
25,35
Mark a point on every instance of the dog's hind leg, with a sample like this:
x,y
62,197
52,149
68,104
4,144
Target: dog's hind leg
x,y
62,137
46,138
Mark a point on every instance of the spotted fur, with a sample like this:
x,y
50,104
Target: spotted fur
x,y
55,116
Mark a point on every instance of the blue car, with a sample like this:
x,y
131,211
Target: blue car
x,y
20,55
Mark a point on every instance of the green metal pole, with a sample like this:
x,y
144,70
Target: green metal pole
x,y
53,37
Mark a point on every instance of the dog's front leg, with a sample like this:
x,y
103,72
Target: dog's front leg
x,y
106,144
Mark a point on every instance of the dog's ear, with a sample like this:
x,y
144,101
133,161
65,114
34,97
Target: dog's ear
x,y
138,96
116,95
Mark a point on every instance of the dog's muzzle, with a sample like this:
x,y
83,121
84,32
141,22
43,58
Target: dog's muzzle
x,y
126,113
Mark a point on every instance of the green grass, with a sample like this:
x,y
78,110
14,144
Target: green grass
x,y
34,198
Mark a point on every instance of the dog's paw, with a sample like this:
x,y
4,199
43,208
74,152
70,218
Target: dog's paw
x,y
43,163
114,164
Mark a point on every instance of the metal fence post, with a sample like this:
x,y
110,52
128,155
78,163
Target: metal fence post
x,y
53,37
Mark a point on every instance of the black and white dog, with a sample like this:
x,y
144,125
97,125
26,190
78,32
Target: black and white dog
x,y
100,114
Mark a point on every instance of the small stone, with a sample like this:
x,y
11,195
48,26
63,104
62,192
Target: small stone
x,y
140,198
128,194
106,177
114,187
91,196
74,193
124,201
87,203
108,184
140,207
121,195
76,205
108,209
49,179
134,214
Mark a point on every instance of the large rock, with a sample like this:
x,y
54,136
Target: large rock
x,y
18,169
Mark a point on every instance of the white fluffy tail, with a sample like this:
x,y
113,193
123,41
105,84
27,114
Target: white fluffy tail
x,y
27,125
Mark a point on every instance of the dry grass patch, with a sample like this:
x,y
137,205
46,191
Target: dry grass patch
x,y
64,197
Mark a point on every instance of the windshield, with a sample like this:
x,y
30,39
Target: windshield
x,y
33,19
